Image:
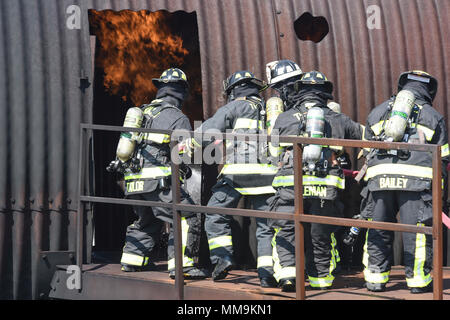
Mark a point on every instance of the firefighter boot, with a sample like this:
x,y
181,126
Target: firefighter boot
x,y
375,287
129,268
221,269
427,288
268,282
191,273
287,285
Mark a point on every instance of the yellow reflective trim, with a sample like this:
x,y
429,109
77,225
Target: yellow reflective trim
x,y
249,168
329,180
276,259
256,190
370,276
245,123
426,131
218,242
133,259
264,261
157,137
322,282
419,279
336,148
375,277
285,144
194,143
148,173
365,258
279,271
275,151
363,127
445,150
284,273
283,181
187,262
399,169
334,249
377,127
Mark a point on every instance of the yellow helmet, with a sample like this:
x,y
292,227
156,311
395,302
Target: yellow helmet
x,y
171,75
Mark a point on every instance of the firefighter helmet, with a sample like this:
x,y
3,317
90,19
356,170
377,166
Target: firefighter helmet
x,y
241,77
317,78
172,75
421,76
281,72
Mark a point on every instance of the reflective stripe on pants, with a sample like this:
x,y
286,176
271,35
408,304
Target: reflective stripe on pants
x,y
187,261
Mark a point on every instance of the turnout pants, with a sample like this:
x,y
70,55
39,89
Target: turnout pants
x,y
414,208
143,234
321,254
218,227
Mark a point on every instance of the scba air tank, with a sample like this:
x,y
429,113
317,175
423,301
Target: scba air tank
x,y
127,142
274,107
315,124
401,110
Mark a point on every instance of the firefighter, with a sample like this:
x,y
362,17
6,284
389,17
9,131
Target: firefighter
x,y
306,114
245,173
399,181
145,161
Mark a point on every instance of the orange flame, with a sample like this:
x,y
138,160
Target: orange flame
x,y
135,46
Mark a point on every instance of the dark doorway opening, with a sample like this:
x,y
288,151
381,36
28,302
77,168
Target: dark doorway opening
x,y
308,27
131,48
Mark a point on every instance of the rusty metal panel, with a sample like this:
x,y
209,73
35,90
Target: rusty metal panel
x,y
43,99
364,64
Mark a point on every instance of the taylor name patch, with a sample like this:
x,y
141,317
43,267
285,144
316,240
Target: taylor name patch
x,y
135,186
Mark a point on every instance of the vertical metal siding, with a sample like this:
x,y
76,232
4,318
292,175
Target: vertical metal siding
x,y
43,106
42,61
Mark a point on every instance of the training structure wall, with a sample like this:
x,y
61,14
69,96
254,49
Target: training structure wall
x,y
46,67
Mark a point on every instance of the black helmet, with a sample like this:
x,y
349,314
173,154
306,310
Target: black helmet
x,y
172,75
282,71
316,78
421,76
240,77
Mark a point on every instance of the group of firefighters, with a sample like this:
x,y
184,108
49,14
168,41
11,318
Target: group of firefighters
x,y
394,181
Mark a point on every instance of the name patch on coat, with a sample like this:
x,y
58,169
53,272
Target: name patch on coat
x,y
315,191
135,186
393,183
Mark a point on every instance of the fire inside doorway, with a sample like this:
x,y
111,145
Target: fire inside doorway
x,y
131,48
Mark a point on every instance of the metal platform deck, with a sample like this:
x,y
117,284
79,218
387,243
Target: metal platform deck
x,y
108,282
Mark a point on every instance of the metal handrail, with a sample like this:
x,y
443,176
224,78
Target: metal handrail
x,y
299,216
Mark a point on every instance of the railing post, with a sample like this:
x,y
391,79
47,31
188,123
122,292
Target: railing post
x,y
80,212
437,224
176,225
299,229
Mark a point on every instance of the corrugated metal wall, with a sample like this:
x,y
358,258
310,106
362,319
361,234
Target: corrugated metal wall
x,y
42,61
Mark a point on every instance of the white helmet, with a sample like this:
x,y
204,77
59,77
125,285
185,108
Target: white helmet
x,y
282,71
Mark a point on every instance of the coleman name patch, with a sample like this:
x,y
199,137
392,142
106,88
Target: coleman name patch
x,y
393,183
315,191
